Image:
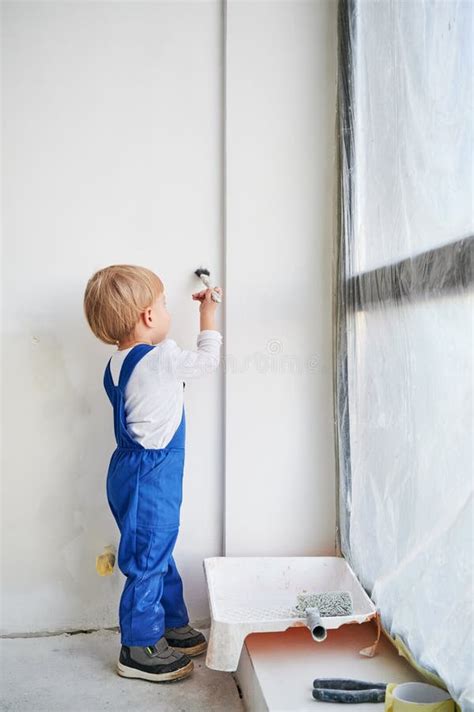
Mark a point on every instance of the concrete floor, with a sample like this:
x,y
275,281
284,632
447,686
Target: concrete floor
x,y
75,673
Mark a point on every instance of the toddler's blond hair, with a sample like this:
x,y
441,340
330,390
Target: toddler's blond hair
x,y
116,296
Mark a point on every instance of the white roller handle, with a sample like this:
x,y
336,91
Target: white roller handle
x,y
314,623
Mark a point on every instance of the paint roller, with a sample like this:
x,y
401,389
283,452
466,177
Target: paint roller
x,y
205,277
316,606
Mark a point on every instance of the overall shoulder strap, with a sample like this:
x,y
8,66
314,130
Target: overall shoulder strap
x,y
108,382
131,360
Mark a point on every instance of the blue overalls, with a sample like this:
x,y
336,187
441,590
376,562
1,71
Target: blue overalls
x,y
144,491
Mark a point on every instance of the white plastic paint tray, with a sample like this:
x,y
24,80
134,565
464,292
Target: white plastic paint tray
x,y
258,594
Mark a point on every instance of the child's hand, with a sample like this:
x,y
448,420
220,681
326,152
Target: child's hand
x,y
208,305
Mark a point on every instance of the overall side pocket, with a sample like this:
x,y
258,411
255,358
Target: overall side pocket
x,y
160,493
152,464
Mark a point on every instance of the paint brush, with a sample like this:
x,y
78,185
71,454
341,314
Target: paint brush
x,y
205,276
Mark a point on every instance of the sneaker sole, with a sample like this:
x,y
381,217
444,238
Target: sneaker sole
x,y
192,652
125,671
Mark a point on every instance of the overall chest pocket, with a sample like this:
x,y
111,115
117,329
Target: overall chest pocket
x,y
160,492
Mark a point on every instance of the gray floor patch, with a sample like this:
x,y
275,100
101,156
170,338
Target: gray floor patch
x,y
76,673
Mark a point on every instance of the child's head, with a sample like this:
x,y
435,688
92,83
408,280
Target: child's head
x,y
125,303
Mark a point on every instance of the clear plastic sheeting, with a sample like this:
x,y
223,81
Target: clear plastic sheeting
x,y
404,323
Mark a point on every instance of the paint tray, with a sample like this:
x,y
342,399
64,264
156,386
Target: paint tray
x,y
254,594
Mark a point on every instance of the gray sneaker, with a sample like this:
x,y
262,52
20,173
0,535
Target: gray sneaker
x,y
186,639
156,663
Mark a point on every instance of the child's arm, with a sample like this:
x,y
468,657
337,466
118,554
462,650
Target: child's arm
x,y
207,310
192,364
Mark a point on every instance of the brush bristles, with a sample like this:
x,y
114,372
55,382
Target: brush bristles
x,y
202,270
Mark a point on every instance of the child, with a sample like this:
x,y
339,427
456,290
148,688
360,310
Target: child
x,y
125,305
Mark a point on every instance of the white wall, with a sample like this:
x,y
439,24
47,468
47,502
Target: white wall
x,y
112,152
281,97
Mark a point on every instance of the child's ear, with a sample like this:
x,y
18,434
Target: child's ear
x,y
148,316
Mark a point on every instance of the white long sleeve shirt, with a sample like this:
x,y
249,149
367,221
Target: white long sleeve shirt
x,y
154,393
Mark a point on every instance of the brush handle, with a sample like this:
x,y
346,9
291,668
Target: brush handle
x,y
216,297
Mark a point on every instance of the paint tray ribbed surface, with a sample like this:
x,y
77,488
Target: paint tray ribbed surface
x,y
254,594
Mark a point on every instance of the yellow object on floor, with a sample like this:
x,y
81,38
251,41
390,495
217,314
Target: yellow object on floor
x,y
105,562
